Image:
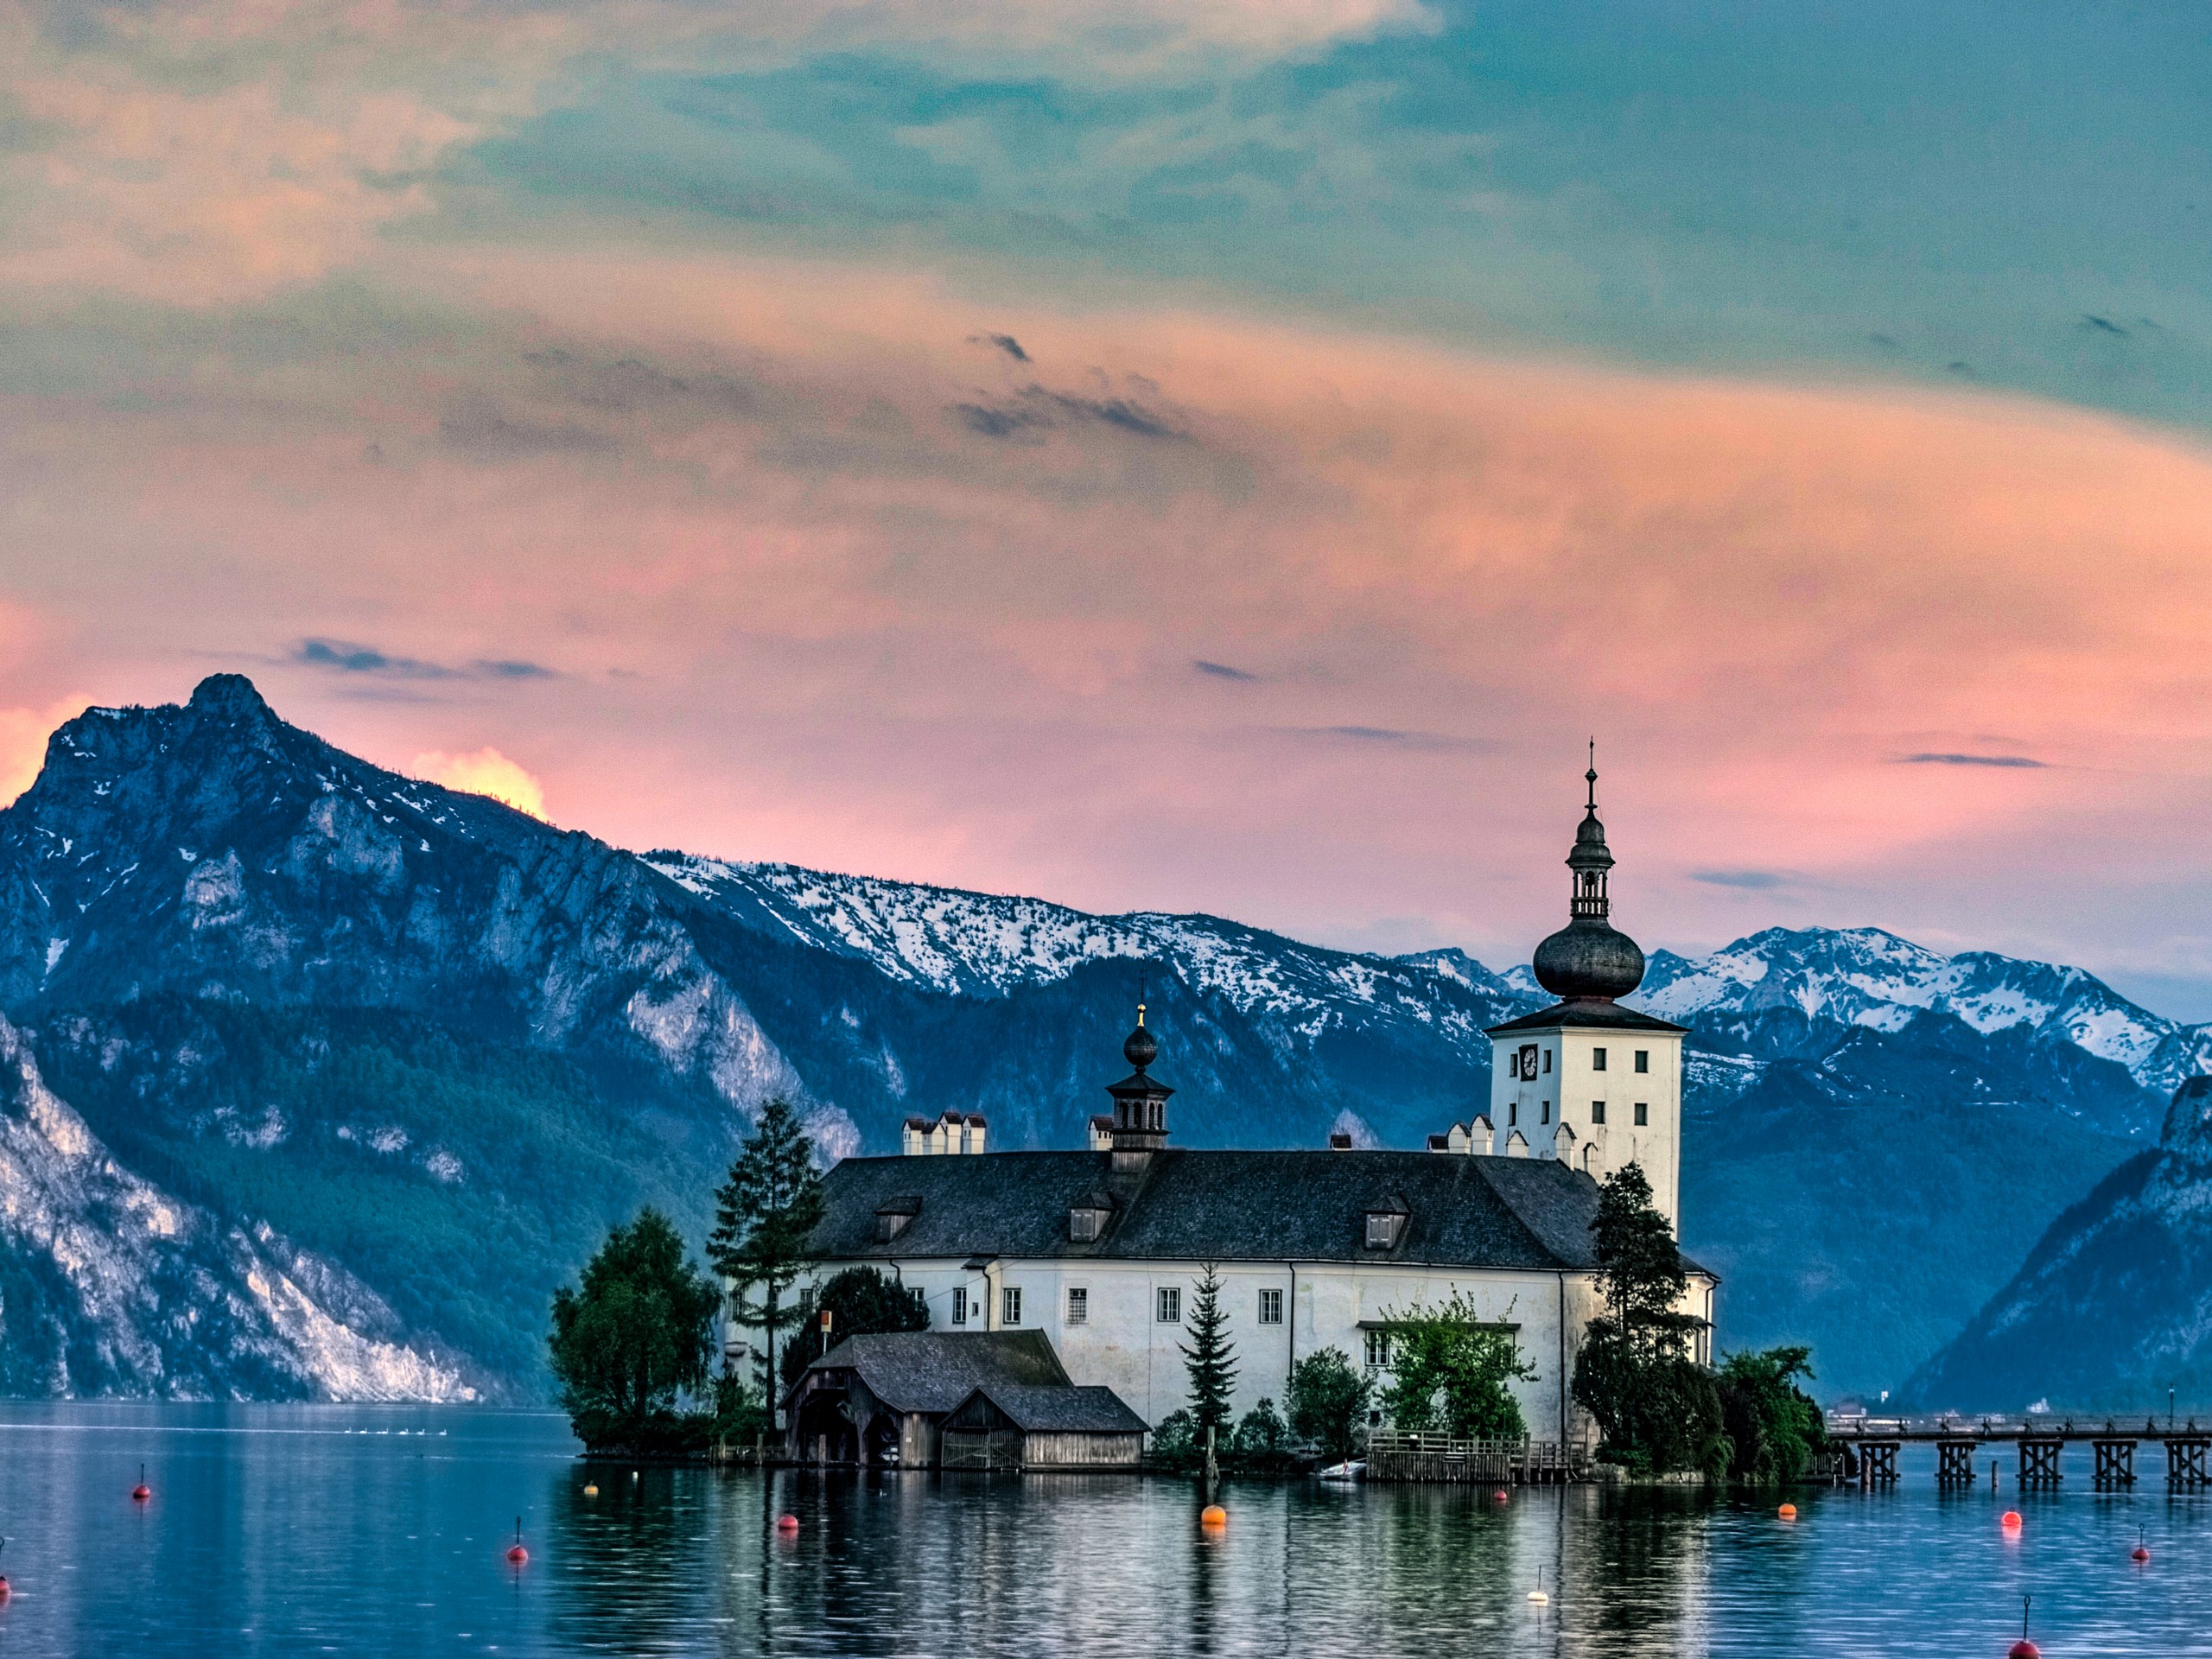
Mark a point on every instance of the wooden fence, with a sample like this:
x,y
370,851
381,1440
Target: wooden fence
x,y
1396,1454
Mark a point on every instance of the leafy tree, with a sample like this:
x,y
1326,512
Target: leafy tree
x,y
1173,1442
1210,1358
862,1302
1643,1276
1658,1408
1328,1398
1263,1438
638,1333
1774,1426
1452,1370
765,1217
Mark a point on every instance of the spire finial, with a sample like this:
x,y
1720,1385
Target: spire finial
x,y
1140,979
1592,776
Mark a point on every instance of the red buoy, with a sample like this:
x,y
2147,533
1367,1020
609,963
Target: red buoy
x,y
142,1491
2010,1520
2141,1552
2024,1648
516,1553
5,1591
787,1523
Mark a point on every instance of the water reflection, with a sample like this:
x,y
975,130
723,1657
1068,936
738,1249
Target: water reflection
x,y
293,1530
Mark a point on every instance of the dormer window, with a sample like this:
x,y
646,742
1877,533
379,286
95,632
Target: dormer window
x,y
1087,1217
1386,1224
891,1219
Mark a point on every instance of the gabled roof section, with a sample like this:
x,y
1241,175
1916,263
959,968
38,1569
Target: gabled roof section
x,y
1596,1012
934,1371
1072,1411
1472,1211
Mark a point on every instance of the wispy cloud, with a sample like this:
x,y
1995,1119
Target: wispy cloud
x,y
1749,881
1223,670
1036,408
1933,758
1006,343
350,657
1388,737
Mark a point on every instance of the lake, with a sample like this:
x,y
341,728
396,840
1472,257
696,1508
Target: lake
x,y
303,1529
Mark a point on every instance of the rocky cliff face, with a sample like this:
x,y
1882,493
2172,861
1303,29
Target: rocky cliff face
x,y
2114,1305
109,1285
443,1045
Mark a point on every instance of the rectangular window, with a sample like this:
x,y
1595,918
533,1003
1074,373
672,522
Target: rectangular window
x,y
1271,1307
1597,1059
1642,1113
1512,1113
960,1307
1643,1059
1378,1351
1079,1306
1548,1062
1547,1117
1596,1111
1171,1304
1010,1306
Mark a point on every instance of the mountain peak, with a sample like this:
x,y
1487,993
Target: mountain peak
x,y
231,696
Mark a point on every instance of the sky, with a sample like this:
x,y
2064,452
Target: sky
x,y
1180,454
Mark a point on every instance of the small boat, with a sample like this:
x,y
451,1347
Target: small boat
x,y
1352,1470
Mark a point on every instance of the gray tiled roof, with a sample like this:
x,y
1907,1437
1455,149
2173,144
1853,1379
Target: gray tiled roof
x,y
1585,1011
1082,1411
935,1371
1190,1205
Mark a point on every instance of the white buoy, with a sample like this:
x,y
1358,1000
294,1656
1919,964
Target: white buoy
x,y
1537,1594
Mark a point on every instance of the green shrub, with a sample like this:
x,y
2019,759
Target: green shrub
x,y
1329,1397
1775,1426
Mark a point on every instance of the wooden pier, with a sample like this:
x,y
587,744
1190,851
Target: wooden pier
x,y
2037,1442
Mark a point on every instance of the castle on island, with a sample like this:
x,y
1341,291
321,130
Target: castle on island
x,y
1058,1283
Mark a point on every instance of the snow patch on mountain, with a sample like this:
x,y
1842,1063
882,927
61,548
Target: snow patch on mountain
x,y
139,1292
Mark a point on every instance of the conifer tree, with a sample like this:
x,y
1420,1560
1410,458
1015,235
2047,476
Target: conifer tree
x,y
765,1217
1641,1266
1210,1358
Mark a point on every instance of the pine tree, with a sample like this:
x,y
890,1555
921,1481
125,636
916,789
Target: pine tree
x,y
1642,1270
765,1217
1210,1358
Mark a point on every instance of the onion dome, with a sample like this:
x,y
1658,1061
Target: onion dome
x,y
1589,957
1140,1048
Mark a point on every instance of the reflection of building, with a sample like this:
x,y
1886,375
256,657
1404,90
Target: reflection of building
x,y
1101,1251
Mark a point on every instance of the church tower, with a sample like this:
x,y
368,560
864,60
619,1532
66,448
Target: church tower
x,y
1140,1103
1586,1081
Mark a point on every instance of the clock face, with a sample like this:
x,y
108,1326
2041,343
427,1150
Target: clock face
x,y
1527,1061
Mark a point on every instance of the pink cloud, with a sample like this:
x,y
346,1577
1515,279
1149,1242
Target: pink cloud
x,y
807,608
483,771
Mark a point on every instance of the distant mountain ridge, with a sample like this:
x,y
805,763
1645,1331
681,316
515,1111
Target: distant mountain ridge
x,y
383,1018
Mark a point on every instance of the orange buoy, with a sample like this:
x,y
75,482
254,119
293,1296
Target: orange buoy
x,y
591,1492
1788,1512
787,1523
2009,1521
1213,1515
516,1553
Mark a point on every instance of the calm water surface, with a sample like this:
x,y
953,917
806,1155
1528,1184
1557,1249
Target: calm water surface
x,y
319,1529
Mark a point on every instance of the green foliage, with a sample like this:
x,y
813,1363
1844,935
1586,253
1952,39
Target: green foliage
x,y
1263,1440
1451,1371
1643,1277
862,1302
1328,1398
1210,1358
1774,1426
1175,1441
637,1334
765,1216
545,1155
1659,1410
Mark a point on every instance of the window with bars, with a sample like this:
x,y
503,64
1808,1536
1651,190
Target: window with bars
x,y
1378,1350
1079,1306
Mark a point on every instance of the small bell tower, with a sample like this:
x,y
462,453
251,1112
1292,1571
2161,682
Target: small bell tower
x,y
1140,1101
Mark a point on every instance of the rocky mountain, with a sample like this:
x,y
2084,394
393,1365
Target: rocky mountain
x,y
2114,1305
441,1045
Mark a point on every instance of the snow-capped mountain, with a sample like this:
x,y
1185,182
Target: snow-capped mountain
x,y
442,1045
1864,977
